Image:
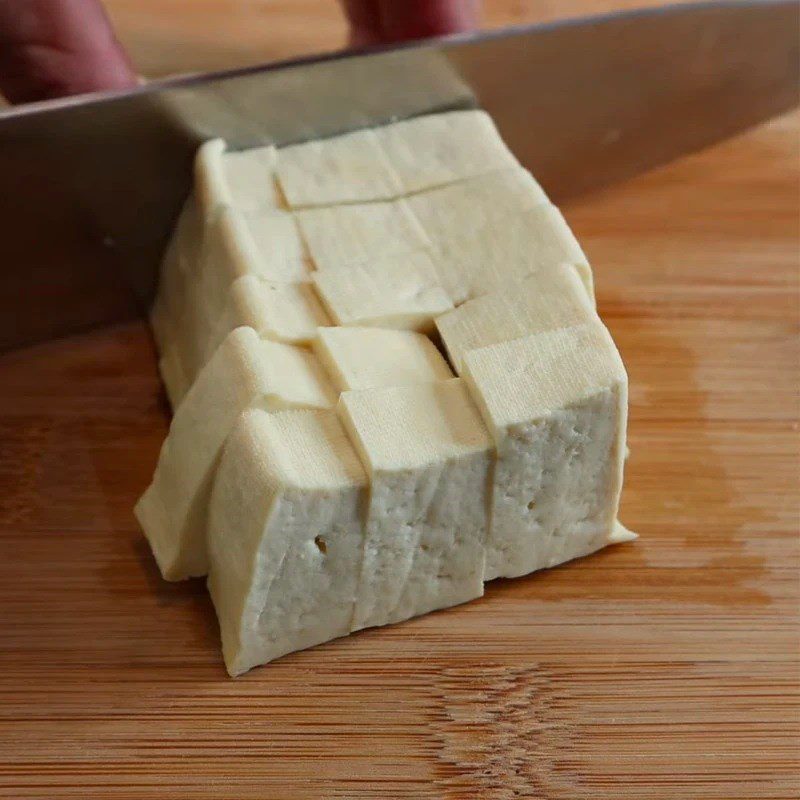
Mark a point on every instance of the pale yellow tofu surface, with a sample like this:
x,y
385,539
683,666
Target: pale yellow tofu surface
x,y
556,405
429,459
285,535
370,358
436,149
399,292
343,169
244,372
551,298
341,236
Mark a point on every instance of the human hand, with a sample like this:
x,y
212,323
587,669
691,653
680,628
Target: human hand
x,y
54,48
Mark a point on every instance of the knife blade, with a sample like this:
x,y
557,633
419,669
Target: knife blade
x,y
90,186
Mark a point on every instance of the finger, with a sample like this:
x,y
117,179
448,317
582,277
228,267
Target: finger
x,y
375,21
53,48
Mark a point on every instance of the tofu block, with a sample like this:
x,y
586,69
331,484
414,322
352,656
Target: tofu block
x,y
370,358
245,372
437,149
455,210
486,259
285,535
556,404
341,236
428,457
547,300
344,169
397,292
244,181
282,312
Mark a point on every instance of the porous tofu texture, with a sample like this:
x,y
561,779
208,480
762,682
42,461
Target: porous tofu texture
x,y
556,404
428,457
285,535
324,466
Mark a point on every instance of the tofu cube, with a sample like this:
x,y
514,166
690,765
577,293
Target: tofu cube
x,y
437,149
341,236
282,312
485,259
399,292
370,358
457,209
428,457
547,300
343,169
245,372
244,181
556,404
285,535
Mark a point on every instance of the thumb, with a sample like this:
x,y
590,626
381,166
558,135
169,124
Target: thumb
x,y
54,48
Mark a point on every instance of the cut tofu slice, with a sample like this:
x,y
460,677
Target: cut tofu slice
x,y
437,149
244,181
485,259
397,292
344,169
370,358
556,404
457,209
428,456
341,236
285,535
547,300
245,372
282,312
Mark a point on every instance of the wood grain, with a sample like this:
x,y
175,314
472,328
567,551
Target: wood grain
x,y
663,669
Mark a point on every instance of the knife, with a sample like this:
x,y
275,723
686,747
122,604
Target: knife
x,y
90,186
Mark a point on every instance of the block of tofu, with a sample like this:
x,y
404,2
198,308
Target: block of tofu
x,y
244,181
282,312
546,300
437,149
556,404
351,168
370,358
428,457
396,292
472,262
245,372
340,236
285,535
459,208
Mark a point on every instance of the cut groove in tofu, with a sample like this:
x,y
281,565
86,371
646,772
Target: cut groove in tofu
x,y
282,312
428,456
285,535
341,236
396,292
438,149
547,300
486,259
351,168
455,210
556,404
244,181
371,358
244,372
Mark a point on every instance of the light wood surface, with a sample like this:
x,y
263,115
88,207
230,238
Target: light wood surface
x,y
662,669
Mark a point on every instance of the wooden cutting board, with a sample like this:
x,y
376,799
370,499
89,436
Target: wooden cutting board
x,y
662,669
